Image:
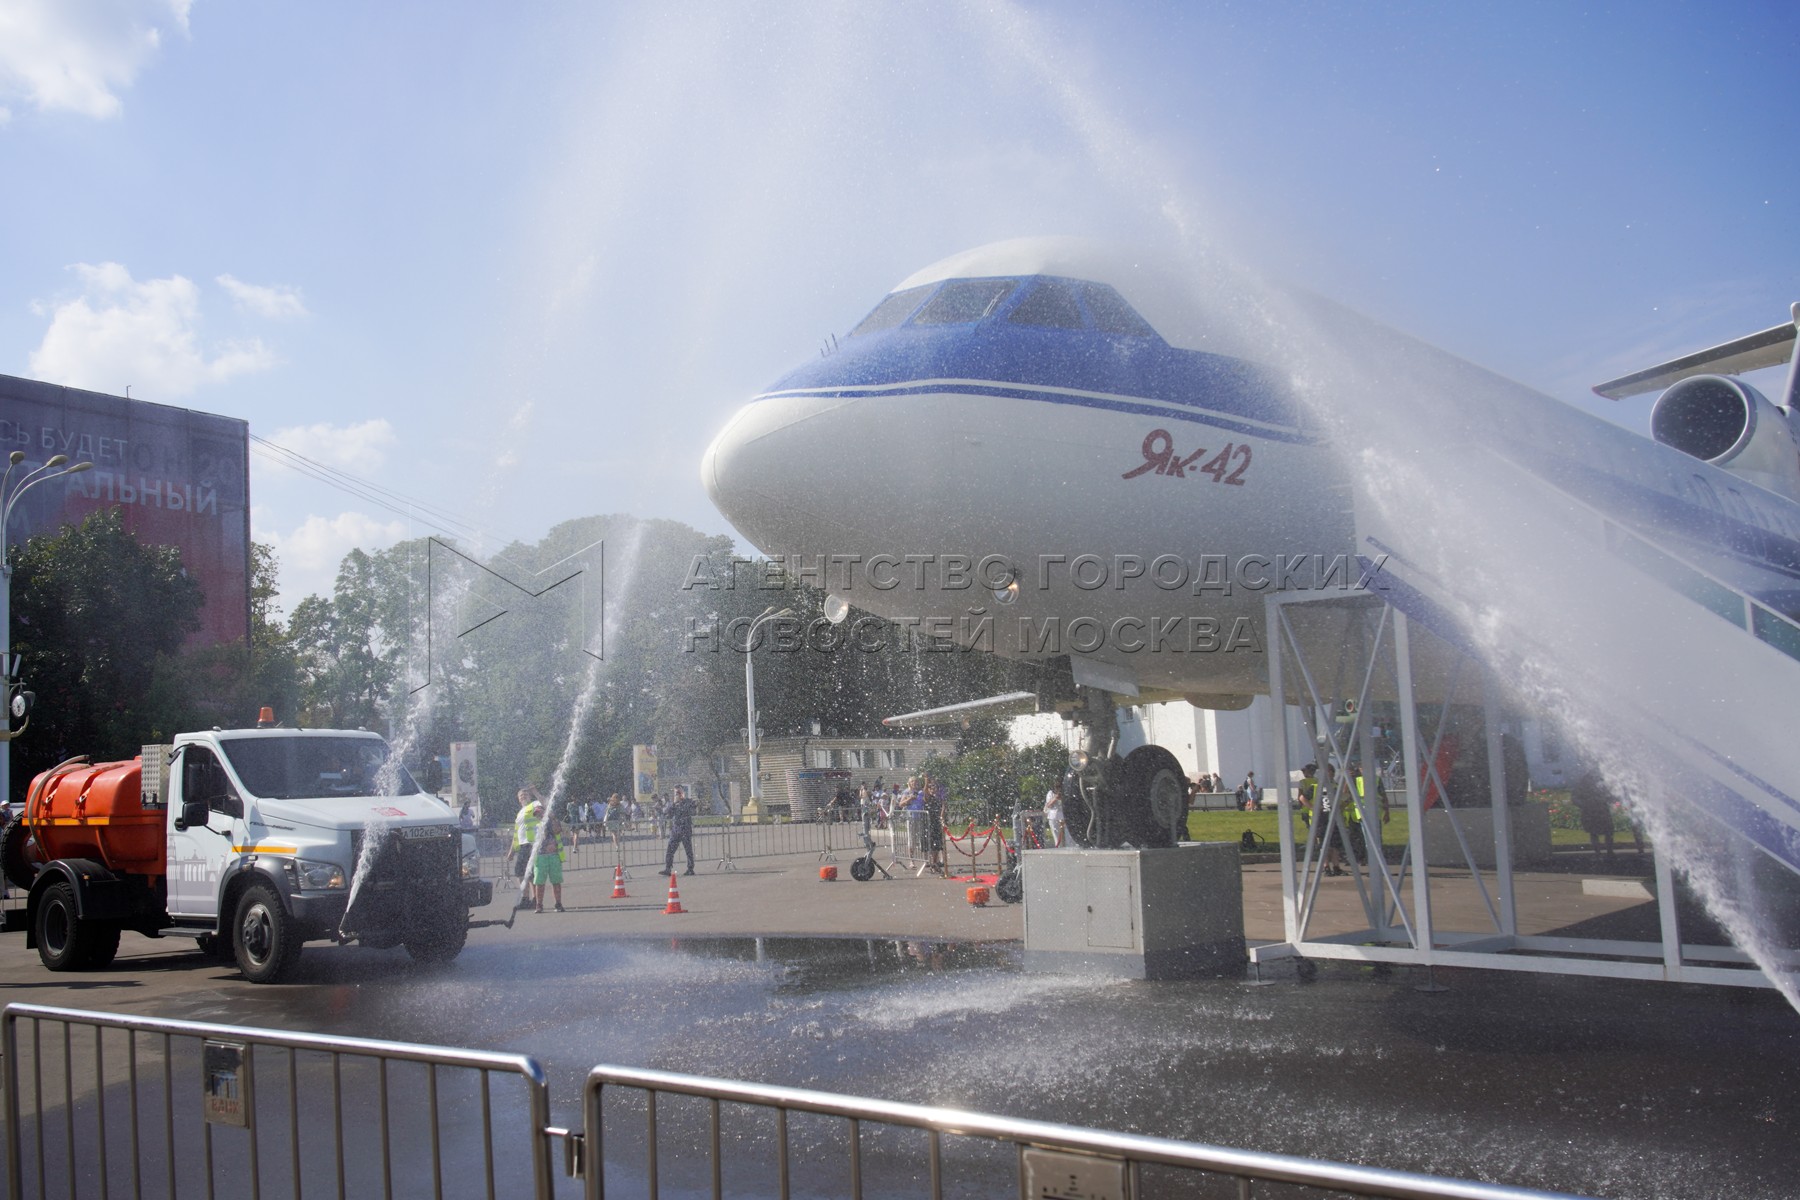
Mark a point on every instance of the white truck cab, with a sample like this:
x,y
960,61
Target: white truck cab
x,y
274,837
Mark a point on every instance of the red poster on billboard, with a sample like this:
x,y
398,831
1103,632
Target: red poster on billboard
x,y
181,478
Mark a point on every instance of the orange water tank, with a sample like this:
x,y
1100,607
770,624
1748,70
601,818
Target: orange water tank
x,y
96,811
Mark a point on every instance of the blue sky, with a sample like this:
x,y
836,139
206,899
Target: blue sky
x,y
517,263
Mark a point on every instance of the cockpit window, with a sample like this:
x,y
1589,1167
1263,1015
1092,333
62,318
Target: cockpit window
x,y
1111,314
1051,304
890,312
964,300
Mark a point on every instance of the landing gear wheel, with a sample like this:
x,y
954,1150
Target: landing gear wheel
x,y
1155,797
439,937
64,941
1078,816
1010,887
263,935
14,839
863,869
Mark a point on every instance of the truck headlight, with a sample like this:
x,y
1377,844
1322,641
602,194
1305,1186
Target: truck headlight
x,y
318,876
471,865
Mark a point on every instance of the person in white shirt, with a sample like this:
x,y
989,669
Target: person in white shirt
x,y
1053,816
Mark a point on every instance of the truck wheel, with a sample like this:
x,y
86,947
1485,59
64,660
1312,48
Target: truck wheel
x,y
216,947
102,946
440,938
263,935
62,940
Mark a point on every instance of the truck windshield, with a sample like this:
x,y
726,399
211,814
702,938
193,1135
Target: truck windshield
x,y
294,768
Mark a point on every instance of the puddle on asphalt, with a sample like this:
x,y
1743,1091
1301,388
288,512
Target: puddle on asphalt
x,y
823,964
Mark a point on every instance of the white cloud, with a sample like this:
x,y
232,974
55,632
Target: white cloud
x,y
360,448
309,556
73,54
120,332
276,301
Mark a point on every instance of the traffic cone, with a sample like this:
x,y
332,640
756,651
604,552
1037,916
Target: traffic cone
x,y
827,874
674,904
619,883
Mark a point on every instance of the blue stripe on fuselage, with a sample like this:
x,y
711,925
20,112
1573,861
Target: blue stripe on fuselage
x,y
1033,356
1124,404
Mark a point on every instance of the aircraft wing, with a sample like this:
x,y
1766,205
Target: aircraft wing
x,y
1769,348
1011,704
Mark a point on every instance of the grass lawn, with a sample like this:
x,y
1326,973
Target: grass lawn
x,y
1230,827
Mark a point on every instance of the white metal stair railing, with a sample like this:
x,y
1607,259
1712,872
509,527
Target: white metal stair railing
x,y
1720,749
1710,629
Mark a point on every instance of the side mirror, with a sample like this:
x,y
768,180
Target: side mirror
x,y
193,812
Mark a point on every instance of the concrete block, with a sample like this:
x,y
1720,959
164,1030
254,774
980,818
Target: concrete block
x,y
1135,914
1530,836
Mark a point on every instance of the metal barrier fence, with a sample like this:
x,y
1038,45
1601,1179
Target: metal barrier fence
x,y
137,1105
715,843
304,1115
785,1141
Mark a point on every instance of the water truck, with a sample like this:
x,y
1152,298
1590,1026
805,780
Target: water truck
x,y
252,841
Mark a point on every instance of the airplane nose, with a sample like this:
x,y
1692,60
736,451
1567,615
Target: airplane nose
x,y
723,445
752,468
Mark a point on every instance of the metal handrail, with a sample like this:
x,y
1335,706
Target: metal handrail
x,y
524,1066
1244,1165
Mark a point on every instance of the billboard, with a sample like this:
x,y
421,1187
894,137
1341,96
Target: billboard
x,y
643,773
463,780
181,478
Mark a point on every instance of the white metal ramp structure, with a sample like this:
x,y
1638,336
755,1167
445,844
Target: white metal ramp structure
x,y
1333,654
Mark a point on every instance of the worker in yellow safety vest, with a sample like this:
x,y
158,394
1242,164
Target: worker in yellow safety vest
x,y
547,867
1354,814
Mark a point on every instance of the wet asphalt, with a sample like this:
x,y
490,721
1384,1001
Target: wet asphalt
x,y
901,990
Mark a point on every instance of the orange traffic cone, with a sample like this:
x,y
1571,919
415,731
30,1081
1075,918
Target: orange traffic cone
x,y
827,874
674,904
619,883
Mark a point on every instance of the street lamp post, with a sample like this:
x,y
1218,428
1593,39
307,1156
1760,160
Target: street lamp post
x,y
9,498
753,736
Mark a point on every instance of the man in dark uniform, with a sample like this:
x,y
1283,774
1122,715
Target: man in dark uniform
x,y
681,830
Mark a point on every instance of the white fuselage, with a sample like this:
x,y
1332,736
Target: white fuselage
x,y
1033,448
1143,497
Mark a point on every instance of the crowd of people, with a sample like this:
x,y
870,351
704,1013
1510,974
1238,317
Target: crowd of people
x,y
918,808
541,838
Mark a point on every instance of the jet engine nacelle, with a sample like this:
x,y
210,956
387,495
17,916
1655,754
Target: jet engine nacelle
x,y
1731,425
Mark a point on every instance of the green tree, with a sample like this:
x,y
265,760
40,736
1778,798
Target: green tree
x,y
272,666
515,672
99,619
1040,767
228,685
347,668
